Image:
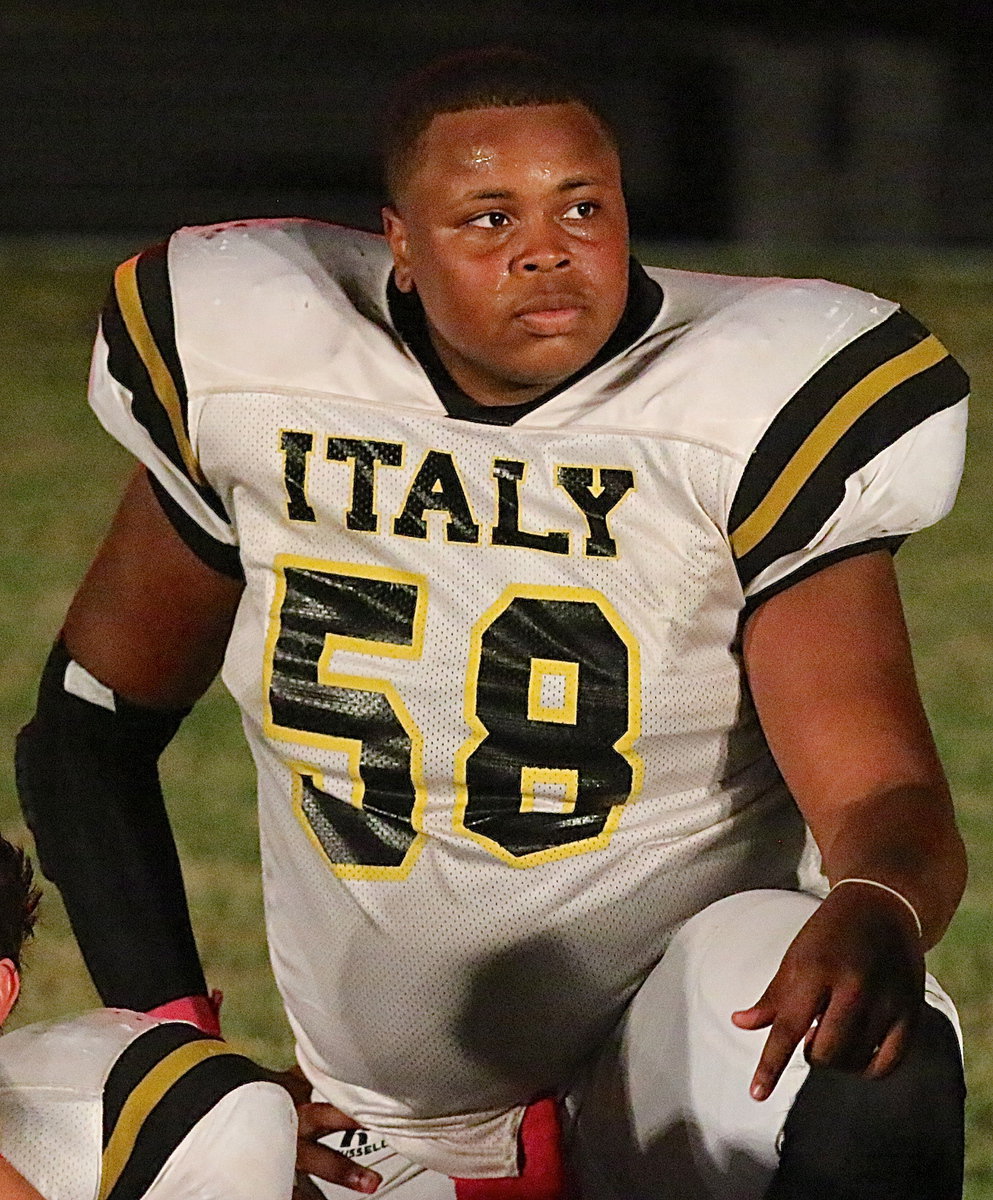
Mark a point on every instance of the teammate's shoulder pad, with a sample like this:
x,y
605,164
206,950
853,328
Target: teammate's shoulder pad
x,y
78,1050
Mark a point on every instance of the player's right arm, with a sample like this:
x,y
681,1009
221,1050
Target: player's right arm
x,y
144,636
150,620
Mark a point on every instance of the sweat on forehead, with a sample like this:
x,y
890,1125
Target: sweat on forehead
x,y
505,149
494,78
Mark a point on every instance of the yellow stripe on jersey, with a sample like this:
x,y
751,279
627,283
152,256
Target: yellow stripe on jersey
x,y
826,435
133,312
143,1100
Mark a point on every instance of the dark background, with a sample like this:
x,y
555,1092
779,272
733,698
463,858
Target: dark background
x,y
753,120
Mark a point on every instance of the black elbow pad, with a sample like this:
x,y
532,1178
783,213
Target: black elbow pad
x,y
87,776
79,755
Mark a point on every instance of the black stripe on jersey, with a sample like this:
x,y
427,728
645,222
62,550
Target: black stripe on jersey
x,y
130,369
220,556
892,544
189,1099
814,400
156,299
136,1060
886,419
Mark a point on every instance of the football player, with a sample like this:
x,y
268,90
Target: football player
x,y
557,594
117,1105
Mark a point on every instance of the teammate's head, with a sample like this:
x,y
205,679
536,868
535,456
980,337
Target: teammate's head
x,y
508,220
18,907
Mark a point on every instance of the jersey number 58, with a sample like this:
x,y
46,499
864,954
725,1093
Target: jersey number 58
x,y
550,700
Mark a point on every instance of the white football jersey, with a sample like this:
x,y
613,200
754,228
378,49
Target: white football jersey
x,y
116,1105
489,659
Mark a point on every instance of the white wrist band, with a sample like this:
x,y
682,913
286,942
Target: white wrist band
x,y
892,892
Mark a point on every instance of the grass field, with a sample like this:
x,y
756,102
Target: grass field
x,y
59,475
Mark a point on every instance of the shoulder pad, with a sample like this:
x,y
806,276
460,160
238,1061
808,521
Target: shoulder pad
x,y
269,303
754,343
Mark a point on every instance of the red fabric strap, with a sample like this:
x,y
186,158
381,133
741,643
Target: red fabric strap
x,y
543,1175
202,1011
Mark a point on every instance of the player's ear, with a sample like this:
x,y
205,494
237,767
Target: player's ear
x,y
10,986
396,235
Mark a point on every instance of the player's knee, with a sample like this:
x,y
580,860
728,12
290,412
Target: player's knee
x,y
734,946
720,961
685,1066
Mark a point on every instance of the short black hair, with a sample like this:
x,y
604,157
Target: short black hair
x,y
18,901
496,77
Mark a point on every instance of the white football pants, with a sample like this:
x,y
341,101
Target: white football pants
x,y
665,1111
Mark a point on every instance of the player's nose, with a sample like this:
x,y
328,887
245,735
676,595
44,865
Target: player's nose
x,y
545,261
542,251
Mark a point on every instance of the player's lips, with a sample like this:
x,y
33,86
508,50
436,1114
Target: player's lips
x,y
551,314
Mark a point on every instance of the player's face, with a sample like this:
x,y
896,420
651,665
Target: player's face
x,y
512,229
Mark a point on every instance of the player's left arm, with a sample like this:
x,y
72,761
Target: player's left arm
x,y
830,669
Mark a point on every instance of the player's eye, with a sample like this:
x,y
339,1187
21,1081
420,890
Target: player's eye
x,y
490,220
582,209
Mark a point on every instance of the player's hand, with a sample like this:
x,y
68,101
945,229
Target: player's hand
x,y
851,984
315,1120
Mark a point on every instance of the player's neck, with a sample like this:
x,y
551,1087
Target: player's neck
x,y
488,390
466,400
